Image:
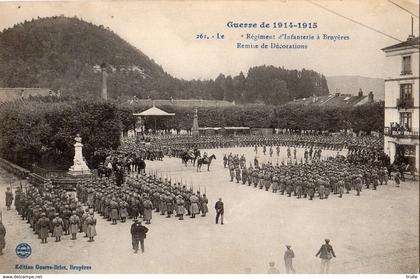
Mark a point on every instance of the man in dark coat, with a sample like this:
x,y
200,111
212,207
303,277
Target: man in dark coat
x,y
326,253
138,234
220,210
9,198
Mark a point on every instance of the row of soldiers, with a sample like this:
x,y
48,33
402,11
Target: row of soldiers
x,y
52,211
330,142
139,196
334,175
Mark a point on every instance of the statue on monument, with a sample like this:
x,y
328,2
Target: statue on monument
x,y
79,164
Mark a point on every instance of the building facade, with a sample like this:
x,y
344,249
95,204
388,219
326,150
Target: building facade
x,y
401,135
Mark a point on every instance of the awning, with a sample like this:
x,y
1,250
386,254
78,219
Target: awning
x,y
154,111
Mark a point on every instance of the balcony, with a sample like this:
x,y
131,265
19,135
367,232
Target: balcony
x,y
405,103
406,73
400,132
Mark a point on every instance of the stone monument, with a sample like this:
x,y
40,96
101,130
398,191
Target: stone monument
x,y
79,165
194,130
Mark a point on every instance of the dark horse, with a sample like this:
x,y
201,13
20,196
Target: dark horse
x,y
186,156
206,161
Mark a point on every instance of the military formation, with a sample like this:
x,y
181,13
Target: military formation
x,y
177,145
52,212
335,175
139,197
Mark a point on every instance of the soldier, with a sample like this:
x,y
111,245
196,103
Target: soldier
x,y
148,207
275,183
194,205
225,160
278,150
375,179
327,192
397,180
238,174
204,207
340,185
123,211
43,224
91,226
114,211
311,192
220,210
180,211
66,217
267,181
299,189
83,221
169,205
231,172
358,184
9,198
74,225
244,175
58,225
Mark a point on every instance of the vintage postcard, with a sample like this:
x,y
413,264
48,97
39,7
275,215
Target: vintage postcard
x,y
209,137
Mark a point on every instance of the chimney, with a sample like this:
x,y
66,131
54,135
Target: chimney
x,y
104,94
370,97
360,92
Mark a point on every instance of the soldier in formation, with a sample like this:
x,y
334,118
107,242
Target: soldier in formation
x,y
51,212
335,175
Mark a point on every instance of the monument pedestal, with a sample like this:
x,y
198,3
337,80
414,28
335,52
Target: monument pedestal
x,y
79,167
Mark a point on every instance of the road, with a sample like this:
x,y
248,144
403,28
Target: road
x,y
377,232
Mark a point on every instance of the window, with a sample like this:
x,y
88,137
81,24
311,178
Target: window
x,y
405,120
406,65
406,91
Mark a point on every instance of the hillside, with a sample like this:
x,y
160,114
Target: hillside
x,y
66,54
351,85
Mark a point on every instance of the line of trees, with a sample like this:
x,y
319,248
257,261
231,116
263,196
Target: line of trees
x,y
367,118
42,130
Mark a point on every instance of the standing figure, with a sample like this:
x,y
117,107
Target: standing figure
x,y
148,207
9,198
138,234
204,207
58,225
180,209
194,205
326,253
288,259
220,210
91,226
43,225
74,225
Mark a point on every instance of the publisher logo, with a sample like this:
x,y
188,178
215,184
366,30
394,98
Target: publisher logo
x,y
23,250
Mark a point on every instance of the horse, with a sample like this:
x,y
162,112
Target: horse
x,y
203,161
186,156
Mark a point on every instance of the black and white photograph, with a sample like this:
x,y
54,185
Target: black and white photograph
x,y
209,137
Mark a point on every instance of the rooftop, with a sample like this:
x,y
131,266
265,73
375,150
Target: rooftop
x,y
411,42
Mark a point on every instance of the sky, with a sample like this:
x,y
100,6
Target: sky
x,y
166,32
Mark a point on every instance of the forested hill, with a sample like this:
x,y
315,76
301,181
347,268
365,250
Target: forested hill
x,y
65,54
